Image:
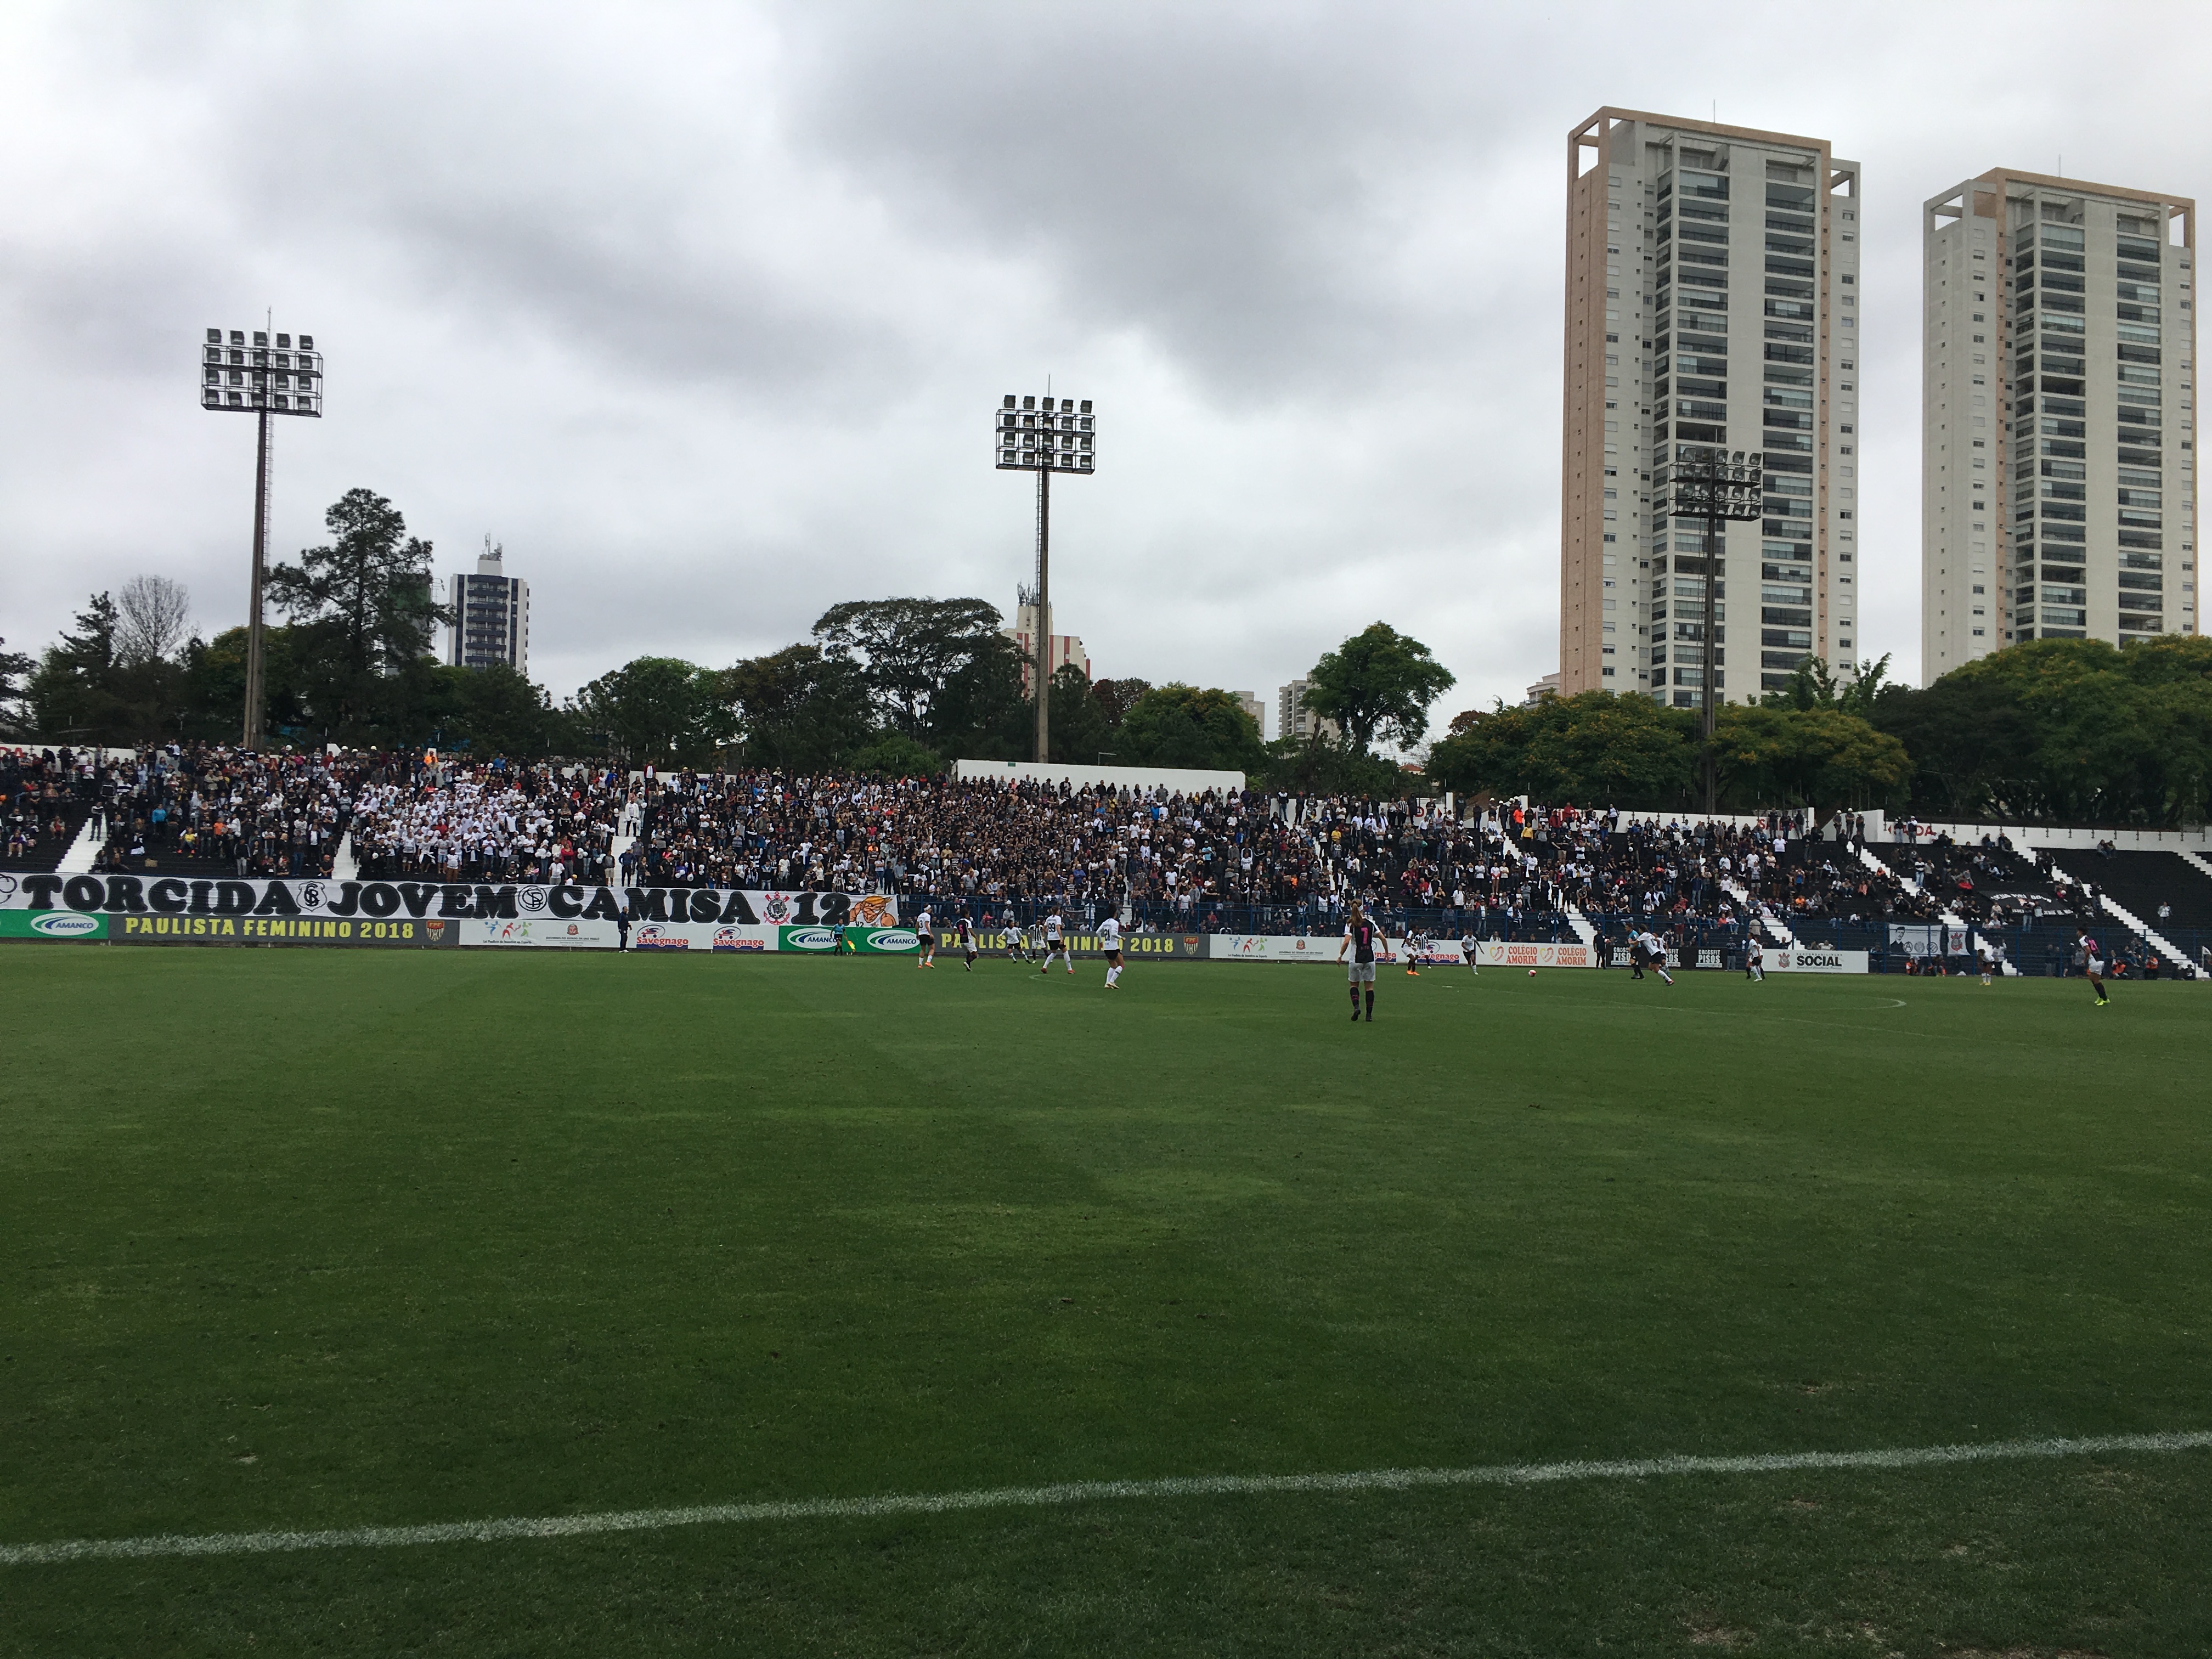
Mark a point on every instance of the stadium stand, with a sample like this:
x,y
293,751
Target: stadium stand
x,y
2142,881
1237,862
47,796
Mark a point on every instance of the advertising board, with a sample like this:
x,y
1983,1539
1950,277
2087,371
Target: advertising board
x,y
194,910
351,934
992,941
56,927
541,933
858,941
1816,960
1494,953
713,938
1272,947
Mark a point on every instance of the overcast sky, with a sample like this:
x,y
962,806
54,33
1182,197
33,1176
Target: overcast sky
x,y
703,312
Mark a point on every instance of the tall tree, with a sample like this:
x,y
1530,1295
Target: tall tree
x,y
365,599
1818,757
74,695
1080,730
659,710
1592,749
797,709
1178,725
980,712
909,650
1115,698
1379,682
13,666
151,615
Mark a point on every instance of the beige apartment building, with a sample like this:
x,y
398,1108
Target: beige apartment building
x,y
1713,298
2058,482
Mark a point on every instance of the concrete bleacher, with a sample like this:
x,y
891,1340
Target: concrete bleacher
x,y
2143,880
45,856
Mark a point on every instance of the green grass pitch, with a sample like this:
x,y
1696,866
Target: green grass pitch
x,y
301,1239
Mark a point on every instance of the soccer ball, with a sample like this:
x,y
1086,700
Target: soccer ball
x,y
1531,972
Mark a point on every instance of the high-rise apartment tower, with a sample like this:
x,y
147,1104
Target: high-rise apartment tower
x,y
2058,474
491,616
1713,298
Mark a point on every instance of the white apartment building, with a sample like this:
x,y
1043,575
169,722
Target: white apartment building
x,y
1713,298
2058,483
1250,703
1063,649
491,616
1294,720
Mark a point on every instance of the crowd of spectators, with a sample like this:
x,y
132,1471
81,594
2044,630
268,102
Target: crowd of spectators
x,y
1234,861
489,822
45,793
205,807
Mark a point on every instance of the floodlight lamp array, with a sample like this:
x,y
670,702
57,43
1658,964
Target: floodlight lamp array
x,y
1044,434
1715,484
247,373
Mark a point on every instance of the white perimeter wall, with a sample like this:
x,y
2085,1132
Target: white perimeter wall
x,y
1174,779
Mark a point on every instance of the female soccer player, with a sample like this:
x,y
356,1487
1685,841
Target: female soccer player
x,y
2093,961
1361,937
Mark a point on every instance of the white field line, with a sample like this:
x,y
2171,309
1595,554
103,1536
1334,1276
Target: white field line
x,y
1080,1491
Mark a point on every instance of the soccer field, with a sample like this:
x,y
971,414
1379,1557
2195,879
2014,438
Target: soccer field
x,y
302,1240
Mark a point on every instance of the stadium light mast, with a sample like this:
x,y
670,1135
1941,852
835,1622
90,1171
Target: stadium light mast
x,y
1044,435
260,379
1720,486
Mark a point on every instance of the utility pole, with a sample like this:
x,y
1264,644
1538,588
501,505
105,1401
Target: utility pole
x,y
1044,435
1041,675
1721,487
261,379
252,738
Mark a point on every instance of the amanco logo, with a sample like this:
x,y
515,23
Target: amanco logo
x,y
64,924
809,938
895,939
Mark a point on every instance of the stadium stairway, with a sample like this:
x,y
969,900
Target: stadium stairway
x,y
2136,924
1777,931
2145,880
1905,879
78,860
345,863
1583,931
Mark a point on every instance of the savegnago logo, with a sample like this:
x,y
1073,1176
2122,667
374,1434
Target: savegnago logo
x,y
65,924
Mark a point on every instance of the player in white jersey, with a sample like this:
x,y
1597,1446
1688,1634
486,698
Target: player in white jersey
x,y
928,957
1646,950
1754,962
1054,945
1109,941
1471,948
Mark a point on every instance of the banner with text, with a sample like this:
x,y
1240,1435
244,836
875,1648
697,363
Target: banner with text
x,y
328,899
1816,961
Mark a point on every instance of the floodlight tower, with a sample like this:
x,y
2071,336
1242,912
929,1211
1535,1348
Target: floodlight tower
x,y
1719,486
260,379
1044,435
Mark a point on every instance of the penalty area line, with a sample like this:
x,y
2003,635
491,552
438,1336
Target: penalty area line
x,y
1078,1491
